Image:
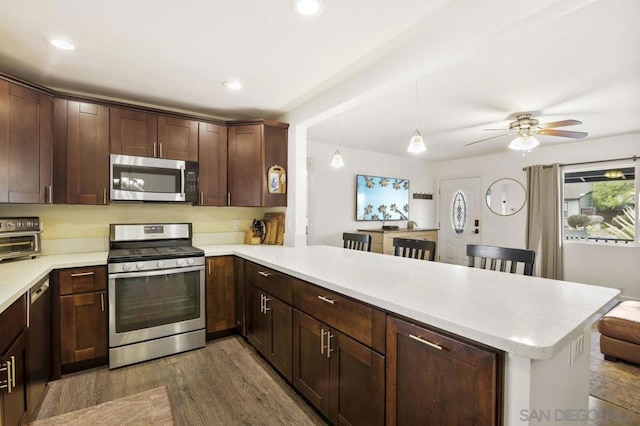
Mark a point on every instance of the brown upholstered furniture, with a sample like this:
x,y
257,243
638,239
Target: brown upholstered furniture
x,y
620,329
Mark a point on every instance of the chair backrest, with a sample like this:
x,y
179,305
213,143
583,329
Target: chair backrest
x,y
416,249
357,241
504,255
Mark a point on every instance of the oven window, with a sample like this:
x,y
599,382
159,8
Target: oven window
x,y
151,301
11,245
146,179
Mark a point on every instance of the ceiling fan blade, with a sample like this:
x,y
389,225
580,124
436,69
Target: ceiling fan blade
x,y
501,130
492,137
563,133
562,123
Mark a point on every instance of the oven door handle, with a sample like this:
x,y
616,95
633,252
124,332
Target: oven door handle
x,y
156,272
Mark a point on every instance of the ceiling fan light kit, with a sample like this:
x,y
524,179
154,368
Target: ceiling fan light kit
x,y
524,143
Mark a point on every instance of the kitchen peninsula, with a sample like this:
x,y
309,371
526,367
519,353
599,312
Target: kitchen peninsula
x,y
534,324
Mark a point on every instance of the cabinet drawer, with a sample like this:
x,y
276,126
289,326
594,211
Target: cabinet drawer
x,y
274,283
12,321
82,280
353,318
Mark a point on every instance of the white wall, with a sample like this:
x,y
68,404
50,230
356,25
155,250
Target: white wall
x,y
599,264
332,191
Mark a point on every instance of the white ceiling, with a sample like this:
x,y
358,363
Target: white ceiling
x,y
579,61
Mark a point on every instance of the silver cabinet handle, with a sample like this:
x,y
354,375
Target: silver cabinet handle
x,y
81,274
266,308
228,198
48,194
104,196
201,198
265,274
326,299
102,301
160,149
155,150
322,341
262,303
426,342
7,384
329,350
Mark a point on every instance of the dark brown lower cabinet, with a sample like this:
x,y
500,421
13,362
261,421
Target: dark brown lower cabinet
x,y
269,328
13,390
220,294
240,295
433,379
83,327
342,378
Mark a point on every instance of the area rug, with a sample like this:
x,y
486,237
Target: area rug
x,y
614,382
152,407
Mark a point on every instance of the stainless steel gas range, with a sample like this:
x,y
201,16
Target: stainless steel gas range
x,y
156,292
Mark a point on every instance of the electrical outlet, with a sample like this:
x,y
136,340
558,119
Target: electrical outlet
x,y
236,224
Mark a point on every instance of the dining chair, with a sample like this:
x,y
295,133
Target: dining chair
x,y
505,255
360,242
415,249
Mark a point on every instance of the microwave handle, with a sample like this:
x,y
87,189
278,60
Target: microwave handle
x,y
182,182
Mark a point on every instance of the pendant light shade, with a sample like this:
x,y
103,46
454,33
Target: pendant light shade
x,y
337,160
524,142
416,144
337,157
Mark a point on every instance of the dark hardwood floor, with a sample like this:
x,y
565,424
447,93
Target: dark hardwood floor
x,y
227,383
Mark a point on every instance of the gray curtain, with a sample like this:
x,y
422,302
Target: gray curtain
x,y
544,220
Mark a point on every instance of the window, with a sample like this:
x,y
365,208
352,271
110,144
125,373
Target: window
x,y
600,204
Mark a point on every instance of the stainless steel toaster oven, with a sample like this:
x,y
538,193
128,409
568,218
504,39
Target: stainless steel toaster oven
x,y
19,237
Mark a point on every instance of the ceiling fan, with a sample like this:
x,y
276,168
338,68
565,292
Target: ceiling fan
x,y
526,127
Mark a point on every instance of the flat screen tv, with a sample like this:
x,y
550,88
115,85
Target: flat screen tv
x,y
381,198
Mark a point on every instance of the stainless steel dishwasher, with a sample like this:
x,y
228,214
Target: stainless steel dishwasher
x,y
39,355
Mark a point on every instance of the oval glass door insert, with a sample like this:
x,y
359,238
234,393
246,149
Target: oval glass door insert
x,y
459,212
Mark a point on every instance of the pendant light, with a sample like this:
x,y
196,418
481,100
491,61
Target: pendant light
x,y
417,143
337,157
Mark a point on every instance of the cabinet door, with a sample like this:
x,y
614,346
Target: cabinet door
x,y
434,379
81,139
275,153
280,339
310,360
220,294
83,327
357,383
177,139
133,133
212,159
13,405
257,321
25,143
245,166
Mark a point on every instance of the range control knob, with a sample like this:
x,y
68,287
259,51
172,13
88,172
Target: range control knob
x,y
126,267
190,261
10,225
180,262
139,265
161,264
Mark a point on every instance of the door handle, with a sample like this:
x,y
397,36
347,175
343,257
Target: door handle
x,y
329,337
322,341
264,274
426,342
81,274
102,301
476,231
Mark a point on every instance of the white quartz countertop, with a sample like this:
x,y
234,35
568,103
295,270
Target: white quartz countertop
x,y
528,316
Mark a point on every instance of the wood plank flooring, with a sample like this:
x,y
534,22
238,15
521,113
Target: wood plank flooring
x,y
227,383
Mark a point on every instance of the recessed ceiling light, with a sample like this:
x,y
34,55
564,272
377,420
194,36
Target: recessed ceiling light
x,y
307,7
232,84
62,44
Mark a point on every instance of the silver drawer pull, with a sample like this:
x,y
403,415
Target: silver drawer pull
x,y
326,299
81,274
426,342
264,273
266,307
329,350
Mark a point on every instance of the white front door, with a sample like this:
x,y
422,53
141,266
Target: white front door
x,y
459,211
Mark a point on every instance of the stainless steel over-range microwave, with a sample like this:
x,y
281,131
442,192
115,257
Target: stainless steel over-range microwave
x,y
153,179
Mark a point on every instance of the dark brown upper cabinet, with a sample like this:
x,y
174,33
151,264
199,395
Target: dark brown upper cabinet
x,y
151,135
255,147
81,154
25,144
212,149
